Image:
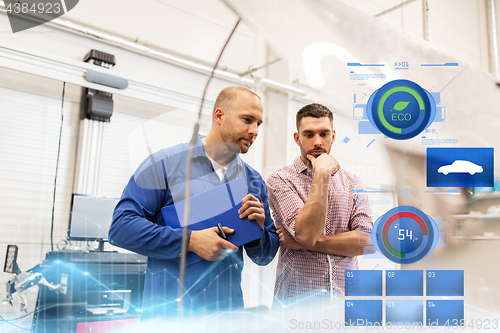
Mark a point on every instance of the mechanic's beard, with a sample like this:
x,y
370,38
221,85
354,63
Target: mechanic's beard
x,y
323,151
238,148
243,147
232,145
309,152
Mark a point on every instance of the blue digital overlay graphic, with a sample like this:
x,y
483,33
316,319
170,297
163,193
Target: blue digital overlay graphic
x,y
404,311
367,191
440,114
444,312
363,283
445,283
363,312
405,235
364,65
359,112
436,95
401,109
441,192
447,64
460,167
365,127
404,283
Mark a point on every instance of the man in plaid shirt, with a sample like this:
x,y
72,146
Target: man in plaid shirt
x,y
317,214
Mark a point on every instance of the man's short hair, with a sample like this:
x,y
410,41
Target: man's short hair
x,y
228,97
313,110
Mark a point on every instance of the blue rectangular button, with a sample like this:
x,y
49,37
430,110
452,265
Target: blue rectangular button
x,y
445,283
365,127
460,167
363,312
402,312
404,283
444,312
363,283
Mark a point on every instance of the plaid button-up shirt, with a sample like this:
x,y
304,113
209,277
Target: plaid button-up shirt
x,y
310,273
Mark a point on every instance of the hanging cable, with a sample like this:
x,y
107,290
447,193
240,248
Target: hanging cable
x,y
182,272
57,169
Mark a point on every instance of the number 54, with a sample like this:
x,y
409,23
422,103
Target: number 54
x,y
409,234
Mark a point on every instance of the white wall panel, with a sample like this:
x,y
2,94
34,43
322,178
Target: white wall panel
x,y
456,26
29,136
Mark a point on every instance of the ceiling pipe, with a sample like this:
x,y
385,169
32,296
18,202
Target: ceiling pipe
x,y
157,54
425,19
491,21
394,8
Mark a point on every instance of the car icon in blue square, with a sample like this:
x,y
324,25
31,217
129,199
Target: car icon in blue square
x,y
461,166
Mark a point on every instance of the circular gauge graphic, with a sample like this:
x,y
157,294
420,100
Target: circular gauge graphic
x,y
405,235
401,109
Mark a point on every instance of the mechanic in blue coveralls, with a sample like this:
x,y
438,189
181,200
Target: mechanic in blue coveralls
x,y
212,284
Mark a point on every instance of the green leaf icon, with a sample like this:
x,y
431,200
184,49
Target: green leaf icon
x,y
401,105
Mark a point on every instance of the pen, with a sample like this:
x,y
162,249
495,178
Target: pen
x,y
223,235
221,231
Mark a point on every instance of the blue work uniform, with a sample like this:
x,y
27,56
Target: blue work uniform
x,y
138,226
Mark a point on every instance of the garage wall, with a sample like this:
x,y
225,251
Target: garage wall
x,y
30,120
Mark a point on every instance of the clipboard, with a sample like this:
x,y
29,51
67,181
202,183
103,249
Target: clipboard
x,y
217,205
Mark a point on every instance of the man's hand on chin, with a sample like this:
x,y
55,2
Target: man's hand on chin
x,y
324,163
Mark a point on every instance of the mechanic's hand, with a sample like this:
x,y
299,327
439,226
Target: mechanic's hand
x,y
253,209
324,163
287,241
209,245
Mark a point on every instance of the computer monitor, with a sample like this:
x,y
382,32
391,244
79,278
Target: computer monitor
x,y
90,217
